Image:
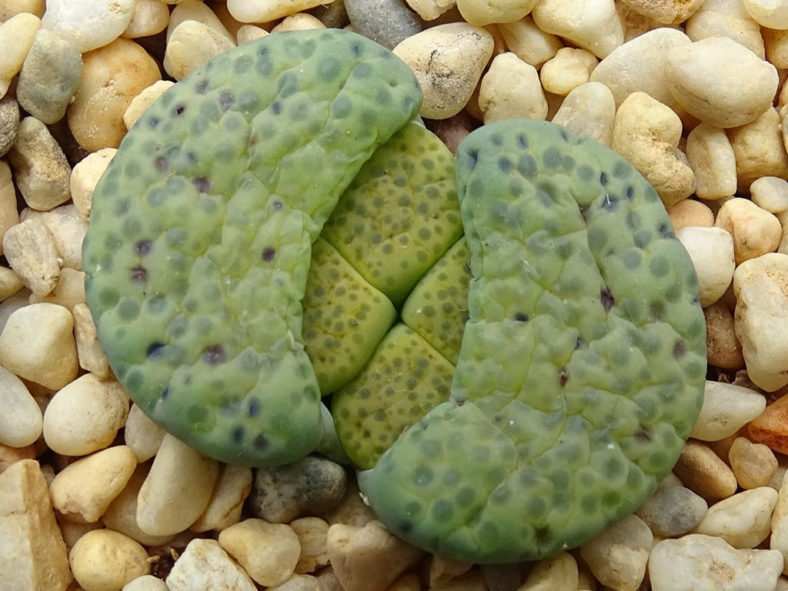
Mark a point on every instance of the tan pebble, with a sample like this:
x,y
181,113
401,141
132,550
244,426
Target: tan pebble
x,y
721,82
83,490
777,478
204,565
17,34
148,18
301,21
298,583
711,252
589,109
779,523
263,11
89,24
85,176
703,472
448,61
726,18
145,582
224,509
138,105
191,45
177,489
568,69
711,156
510,89
248,33
73,531
69,291
444,570
753,464
665,12
594,26
34,556
9,8
312,535
195,10
726,409
742,520
89,352
755,231
771,427
529,42
770,193
759,149
772,14
647,133
429,10
121,515
555,573
8,211
30,250
21,419
618,556
267,551
111,77
10,283
494,11
142,434
37,344
103,560
776,44
649,52
12,304
40,168
85,416
761,319
470,581
634,24
11,455
68,230
690,212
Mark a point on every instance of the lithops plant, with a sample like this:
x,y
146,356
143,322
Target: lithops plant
x,y
582,363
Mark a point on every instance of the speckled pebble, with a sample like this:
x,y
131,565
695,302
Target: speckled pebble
x,y
388,22
267,551
753,464
103,559
142,435
618,556
673,510
191,45
84,177
664,12
711,251
589,109
310,486
591,25
743,520
89,24
224,509
726,409
204,565
20,421
17,34
722,347
510,89
9,123
712,159
703,472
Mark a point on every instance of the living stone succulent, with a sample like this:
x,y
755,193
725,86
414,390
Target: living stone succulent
x,y
511,340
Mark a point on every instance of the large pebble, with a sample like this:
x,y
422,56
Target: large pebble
x,y
49,76
755,231
177,489
594,26
531,44
589,109
511,89
770,193
753,464
37,344
712,159
703,472
759,149
618,556
85,176
103,560
720,81
267,551
742,520
698,562
20,421
494,11
40,167
310,486
726,18
557,573
82,491
190,46
32,553
17,34
204,565
111,77
142,434
9,124
726,409
85,416
673,510
388,22
226,504
711,252
448,61
263,11
89,24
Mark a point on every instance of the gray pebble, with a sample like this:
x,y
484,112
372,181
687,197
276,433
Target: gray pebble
x,y
49,76
673,511
386,21
9,123
308,487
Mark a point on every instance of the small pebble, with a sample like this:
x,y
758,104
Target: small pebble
x,y
85,416
191,45
529,42
195,10
10,283
589,25
21,420
776,45
511,89
779,523
12,304
49,76
103,559
742,520
753,464
31,252
68,230
312,535
567,70
673,510
759,149
301,21
37,344
86,174
9,8
726,409
89,352
17,34
770,193
726,18
448,61
772,14
224,508
703,472
494,11
308,487
9,123
145,582
665,12
148,18
711,252
690,212
351,509
771,426
83,490
755,231
589,109
557,573
11,455
443,570
388,22
88,24
712,159
249,33
263,11
204,565
73,531
267,551
429,10
298,583
142,434
618,556
69,291
698,561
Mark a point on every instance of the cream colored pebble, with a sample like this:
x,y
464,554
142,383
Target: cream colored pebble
x,y
510,89
743,520
726,18
594,26
301,21
8,211
73,531
312,535
711,157
753,464
494,11
726,409
429,10
647,133
145,582
9,8
529,42
177,489
85,176
89,352
770,193
779,523
82,491
703,472
138,105
248,33
204,565
776,44
711,252
10,283
68,230
589,109
267,551
299,583
448,61
554,573
30,249
665,12
17,34
69,291
772,14
690,212
20,421
13,303
142,434
567,70
618,555
191,45
755,231
195,10
103,560
224,509
37,344
85,416
149,17
263,11
759,149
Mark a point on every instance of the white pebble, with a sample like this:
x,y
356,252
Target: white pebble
x,y
196,10
145,582
142,434
69,291
511,89
429,10
494,11
711,252
770,193
88,23
148,18
712,159
204,565
68,230
103,560
726,409
9,215
267,551
618,556
85,176
743,520
20,421
779,524
589,109
529,42
263,11
594,26
140,103
726,18
759,147
772,14
312,534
